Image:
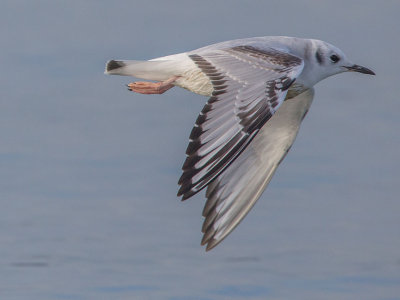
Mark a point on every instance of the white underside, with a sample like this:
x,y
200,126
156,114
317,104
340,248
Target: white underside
x,y
163,68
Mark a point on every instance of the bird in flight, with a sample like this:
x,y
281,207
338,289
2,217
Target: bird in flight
x,y
259,90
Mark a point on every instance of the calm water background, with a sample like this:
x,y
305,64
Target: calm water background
x,y
88,170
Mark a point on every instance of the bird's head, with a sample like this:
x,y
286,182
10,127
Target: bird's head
x,y
328,60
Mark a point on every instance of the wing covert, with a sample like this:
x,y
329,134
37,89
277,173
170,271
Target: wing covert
x,y
249,86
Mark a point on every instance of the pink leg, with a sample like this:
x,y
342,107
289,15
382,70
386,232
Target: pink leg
x,y
145,87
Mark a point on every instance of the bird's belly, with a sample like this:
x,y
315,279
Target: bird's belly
x,y
195,81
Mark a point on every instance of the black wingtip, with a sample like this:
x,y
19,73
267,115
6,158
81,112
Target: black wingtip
x,y
185,194
114,64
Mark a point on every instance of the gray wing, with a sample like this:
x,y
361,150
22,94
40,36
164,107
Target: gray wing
x,y
249,86
232,194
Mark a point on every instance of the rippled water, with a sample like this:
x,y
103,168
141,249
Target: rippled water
x,y
88,171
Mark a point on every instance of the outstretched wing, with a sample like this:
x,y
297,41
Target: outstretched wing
x,y
232,194
249,86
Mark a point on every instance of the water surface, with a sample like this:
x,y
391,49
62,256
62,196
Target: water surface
x,y
88,171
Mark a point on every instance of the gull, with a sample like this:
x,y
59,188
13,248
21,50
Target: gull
x,y
259,90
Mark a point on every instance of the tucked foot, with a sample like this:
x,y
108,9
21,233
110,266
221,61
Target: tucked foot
x,y
146,87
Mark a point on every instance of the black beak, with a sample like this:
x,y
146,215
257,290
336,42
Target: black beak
x,y
360,69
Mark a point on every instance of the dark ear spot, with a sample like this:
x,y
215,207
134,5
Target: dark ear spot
x,y
318,56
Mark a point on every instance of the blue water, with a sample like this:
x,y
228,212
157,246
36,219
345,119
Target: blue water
x,y
88,170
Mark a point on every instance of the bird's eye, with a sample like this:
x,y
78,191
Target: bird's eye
x,y
334,58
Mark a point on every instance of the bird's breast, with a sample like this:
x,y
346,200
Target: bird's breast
x,y
295,90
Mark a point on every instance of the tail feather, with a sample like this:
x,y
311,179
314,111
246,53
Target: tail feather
x,y
158,70
114,64
124,67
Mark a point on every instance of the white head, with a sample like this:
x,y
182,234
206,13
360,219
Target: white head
x,y
323,60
